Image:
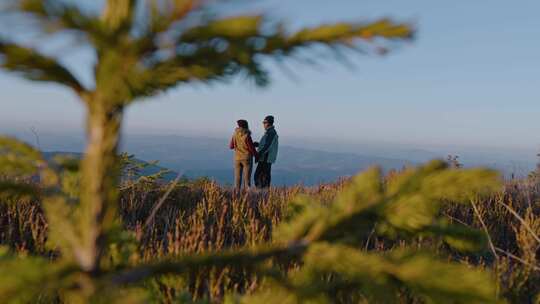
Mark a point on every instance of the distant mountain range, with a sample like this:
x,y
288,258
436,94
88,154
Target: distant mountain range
x,y
206,157
149,169
210,157
196,157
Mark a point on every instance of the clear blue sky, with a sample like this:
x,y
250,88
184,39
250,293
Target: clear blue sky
x,y
472,78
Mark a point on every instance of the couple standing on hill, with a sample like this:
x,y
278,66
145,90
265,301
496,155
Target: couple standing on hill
x,y
245,150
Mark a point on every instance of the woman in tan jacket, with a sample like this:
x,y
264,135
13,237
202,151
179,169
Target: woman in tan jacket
x,y
244,152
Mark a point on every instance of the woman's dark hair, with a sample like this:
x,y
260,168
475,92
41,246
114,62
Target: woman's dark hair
x,y
242,123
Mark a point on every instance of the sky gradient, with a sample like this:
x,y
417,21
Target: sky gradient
x,y
471,78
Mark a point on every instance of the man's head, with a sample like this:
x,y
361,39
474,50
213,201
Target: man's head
x,y
242,123
268,121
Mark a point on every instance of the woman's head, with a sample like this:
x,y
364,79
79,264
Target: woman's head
x,y
242,123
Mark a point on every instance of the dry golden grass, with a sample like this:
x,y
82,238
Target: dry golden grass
x,y
201,216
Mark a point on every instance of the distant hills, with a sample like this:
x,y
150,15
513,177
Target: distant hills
x,y
149,169
302,163
196,157
207,157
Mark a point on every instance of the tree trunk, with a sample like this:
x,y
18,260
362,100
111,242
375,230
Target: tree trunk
x,y
99,182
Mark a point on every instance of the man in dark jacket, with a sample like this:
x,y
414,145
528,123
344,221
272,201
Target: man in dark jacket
x,y
268,151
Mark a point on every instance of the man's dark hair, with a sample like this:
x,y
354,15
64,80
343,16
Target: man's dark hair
x,y
242,123
269,119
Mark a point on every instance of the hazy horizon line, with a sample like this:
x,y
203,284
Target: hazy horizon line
x,y
293,140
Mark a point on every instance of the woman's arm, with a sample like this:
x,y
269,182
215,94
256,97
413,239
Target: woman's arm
x,y
251,147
